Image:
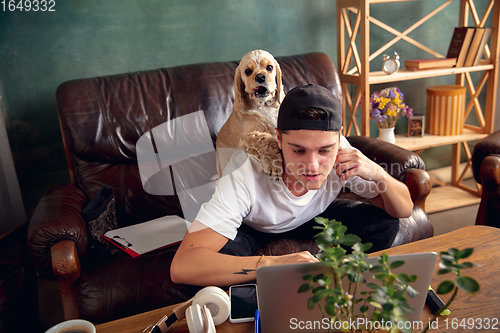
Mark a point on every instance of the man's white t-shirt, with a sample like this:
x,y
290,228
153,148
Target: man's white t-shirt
x,y
245,194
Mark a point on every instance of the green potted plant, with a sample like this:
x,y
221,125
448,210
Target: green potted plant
x,y
384,307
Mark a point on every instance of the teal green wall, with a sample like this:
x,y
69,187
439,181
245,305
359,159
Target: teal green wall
x,y
87,38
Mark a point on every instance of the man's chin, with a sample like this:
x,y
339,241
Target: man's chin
x,y
313,184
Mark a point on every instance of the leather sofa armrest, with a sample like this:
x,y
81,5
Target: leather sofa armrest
x,y
395,160
419,184
67,269
57,217
488,146
489,207
402,164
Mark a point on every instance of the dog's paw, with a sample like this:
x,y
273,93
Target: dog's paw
x,y
273,165
264,147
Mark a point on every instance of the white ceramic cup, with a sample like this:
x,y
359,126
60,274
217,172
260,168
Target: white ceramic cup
x,y
84,325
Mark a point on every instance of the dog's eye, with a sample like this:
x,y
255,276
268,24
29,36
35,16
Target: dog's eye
x,y
248,71
269,68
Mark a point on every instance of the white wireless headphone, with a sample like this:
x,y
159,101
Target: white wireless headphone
x,y
208,308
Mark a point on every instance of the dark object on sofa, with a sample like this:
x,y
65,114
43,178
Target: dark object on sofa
x,y
102,119
486,169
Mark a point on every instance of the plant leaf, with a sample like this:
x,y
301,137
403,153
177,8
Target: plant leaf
x,y
443,271
320,220
396,264
465,253
310,303
445,287
303,288
388,306
317,277
383,258
377,269
331,300
467,284
338,253
366,247
341,229
350,240
466,265
411,292
454,252
403,278
330,309
446,257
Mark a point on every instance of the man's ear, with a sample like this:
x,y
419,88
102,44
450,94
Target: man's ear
x,y
278,137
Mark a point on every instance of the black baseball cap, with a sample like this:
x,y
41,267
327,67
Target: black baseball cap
x,y
310,96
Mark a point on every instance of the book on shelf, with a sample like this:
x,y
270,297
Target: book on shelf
x,y
148,236
460,43
482,45
474,46
416,64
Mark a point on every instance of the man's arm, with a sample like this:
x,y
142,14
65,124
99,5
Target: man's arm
x,y
197,261
394,196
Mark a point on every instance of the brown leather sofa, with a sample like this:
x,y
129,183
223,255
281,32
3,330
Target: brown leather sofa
x,y
101,120
486,170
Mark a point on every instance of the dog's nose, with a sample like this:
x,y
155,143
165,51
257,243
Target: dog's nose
x,y
260,78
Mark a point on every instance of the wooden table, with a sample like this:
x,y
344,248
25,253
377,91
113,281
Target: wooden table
x,y
464,310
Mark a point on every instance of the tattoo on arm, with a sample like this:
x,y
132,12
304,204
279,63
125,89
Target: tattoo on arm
x,y
244,271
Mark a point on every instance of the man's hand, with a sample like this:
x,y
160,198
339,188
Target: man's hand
x,y
351,162
393,197
293,258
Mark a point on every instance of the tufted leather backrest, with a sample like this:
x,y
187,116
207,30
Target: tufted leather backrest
x,y
102,118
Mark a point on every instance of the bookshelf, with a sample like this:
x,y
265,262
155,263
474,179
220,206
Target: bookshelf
x,y
353,59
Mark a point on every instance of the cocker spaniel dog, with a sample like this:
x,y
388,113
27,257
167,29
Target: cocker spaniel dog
x,y
251,126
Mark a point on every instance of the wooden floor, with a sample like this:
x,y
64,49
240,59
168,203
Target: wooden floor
x,y
455,198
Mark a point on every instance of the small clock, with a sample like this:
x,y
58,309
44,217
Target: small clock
x,y
390,65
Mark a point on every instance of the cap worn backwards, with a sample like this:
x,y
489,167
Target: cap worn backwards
x,y
310,96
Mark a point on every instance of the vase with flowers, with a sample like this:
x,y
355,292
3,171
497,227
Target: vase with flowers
x,y
386,107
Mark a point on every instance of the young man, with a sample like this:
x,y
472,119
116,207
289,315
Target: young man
x,y
249,209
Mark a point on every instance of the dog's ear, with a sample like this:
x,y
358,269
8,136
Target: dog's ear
x,y
280,93
239,90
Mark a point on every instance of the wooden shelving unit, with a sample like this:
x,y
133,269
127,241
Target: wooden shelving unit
x,y
353,29
417,144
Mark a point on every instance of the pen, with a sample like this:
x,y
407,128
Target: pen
x,y
436,303
256,320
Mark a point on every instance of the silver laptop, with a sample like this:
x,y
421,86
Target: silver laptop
x,y
282,309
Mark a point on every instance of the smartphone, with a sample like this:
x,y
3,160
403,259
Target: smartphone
x,y
243,302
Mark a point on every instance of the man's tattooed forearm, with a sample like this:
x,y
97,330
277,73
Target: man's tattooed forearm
x,y
244,271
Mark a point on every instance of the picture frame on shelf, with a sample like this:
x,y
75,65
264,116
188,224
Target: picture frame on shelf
x,y
416,126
